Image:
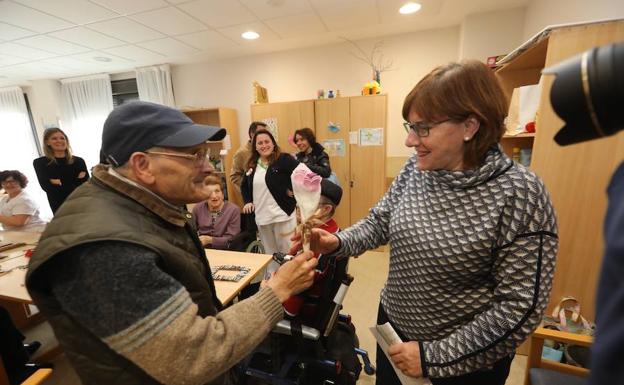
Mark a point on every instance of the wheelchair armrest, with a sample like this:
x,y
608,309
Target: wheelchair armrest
x,y
308,333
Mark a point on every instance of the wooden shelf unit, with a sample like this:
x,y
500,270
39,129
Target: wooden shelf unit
x,y
225,118
576,176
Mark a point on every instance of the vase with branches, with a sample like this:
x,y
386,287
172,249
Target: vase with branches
x,y
375,59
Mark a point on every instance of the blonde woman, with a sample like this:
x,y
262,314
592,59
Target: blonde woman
x,y
59,172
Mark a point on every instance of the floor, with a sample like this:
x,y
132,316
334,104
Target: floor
x,y
369,270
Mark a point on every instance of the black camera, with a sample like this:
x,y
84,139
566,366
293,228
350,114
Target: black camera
x,y
588,94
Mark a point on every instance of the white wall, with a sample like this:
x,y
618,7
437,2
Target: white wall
x,y
541,13
491,33
298,74
45,98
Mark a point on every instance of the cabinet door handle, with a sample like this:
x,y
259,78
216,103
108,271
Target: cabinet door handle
x,y
351,183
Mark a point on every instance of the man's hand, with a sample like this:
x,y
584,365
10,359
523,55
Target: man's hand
x,y
293,276
406,357
248,208
55,181
321,241
205,240
82,174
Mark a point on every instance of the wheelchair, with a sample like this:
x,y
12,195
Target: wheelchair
x,y
317,346
247,240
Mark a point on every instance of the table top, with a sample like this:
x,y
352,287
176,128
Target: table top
x,y
12,285
14,263
227,290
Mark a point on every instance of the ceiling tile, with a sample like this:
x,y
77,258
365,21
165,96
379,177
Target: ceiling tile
x,y
303,24
11,32
347,14
24,52
76,11
168,47
28,18
71,63
218,13
235,32
99,66
126,7
266,9
7,60
206,40
390,11
36,70
126,30
87,38
170,20
52,44
135,53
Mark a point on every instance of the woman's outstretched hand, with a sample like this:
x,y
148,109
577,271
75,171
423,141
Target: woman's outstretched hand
x,y
321,242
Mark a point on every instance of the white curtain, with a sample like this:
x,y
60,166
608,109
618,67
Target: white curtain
x,y
19,147
86,102
154,84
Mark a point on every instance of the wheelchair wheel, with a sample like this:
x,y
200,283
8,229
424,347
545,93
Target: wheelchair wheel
x,y
255,247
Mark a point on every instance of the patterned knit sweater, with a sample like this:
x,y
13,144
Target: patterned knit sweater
x,y
472,257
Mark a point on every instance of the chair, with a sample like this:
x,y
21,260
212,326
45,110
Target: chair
x,y
547,372
247,240
36,378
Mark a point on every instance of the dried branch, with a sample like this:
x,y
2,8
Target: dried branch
x,y
375,59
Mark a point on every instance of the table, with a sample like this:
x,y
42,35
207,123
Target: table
x,y
12,286
227,290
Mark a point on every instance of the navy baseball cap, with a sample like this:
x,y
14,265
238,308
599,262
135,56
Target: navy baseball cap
x,y
138,126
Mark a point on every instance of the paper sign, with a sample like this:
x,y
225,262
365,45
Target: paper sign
x,y
227,142
334,147
271,126
354,137
371,136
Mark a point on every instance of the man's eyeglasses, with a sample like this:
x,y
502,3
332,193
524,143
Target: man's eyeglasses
x,y
199,158
422,128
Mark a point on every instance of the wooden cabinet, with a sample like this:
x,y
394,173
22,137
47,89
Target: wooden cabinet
x,y
288,117
225,118
576,176
360,169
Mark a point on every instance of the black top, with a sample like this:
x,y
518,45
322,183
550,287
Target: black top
x,y
67,173
317,160
278,182
608,347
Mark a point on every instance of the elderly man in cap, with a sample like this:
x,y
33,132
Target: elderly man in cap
x,y
122,277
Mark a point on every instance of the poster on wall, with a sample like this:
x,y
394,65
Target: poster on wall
x,y
271,126
334,147
371,136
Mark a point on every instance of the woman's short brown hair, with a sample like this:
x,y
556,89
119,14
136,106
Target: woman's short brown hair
x,y
213,180
16,175
459,91
307,134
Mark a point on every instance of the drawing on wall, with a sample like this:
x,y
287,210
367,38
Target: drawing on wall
x,y
371,136
271,126
334,147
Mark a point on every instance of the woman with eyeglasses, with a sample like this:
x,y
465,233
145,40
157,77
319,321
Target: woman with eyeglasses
x,y
18,210
267,192
59,172
472,234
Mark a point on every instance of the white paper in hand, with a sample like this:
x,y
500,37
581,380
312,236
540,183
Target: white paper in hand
x,y
386,336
